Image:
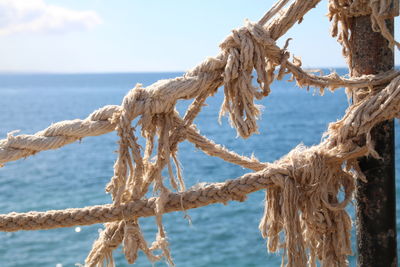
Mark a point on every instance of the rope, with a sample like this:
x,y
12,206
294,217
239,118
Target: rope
x,y
302,197
341,12
382,106
202,196
378,107
66,132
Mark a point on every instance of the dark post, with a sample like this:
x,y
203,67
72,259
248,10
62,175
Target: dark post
x,y
375,200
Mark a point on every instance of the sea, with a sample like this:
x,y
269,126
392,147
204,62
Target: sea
x,y
75,175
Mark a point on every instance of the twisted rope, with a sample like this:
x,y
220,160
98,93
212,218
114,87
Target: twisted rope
x,y
357,121
294,181
99,122
342,145
341,12
202,196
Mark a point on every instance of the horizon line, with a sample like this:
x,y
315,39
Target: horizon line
x,y
33,72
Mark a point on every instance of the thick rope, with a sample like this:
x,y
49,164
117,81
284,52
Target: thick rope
x,y
66,132
291,180
342,145
209,194
382,106
341,12
166,92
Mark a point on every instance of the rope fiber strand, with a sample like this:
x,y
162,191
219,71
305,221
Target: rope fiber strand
x,y
303,216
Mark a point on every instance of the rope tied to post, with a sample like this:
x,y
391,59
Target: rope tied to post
x,y
303,187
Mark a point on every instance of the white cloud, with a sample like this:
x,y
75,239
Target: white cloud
x,y
37,16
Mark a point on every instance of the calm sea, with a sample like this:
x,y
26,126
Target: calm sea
x,y
75,175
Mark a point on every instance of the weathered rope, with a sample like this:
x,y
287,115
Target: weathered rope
x,y
66,132
209,194
298,203
341,12
340,147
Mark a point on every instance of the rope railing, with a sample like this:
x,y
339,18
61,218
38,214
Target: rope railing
x,y
205,195
99,122
302,198
202,195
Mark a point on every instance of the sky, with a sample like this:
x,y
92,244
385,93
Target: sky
x,y
77,36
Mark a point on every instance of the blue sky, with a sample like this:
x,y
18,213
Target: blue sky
x,y
147,35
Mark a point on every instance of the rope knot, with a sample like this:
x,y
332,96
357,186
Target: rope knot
x,y
305,206
340,12
249,48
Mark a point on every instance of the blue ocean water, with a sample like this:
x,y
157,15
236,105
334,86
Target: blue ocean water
x,y
75,175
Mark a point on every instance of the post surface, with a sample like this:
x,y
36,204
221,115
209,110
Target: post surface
x,y
375,200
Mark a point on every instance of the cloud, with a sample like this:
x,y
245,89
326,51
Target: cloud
x,y
38,17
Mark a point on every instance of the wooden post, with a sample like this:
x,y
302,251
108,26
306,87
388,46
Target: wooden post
x,y
375,200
